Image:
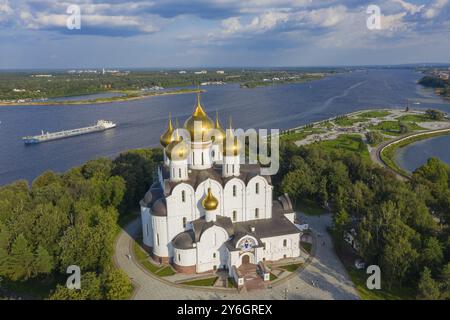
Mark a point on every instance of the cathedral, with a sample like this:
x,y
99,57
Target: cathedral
x,y
208,211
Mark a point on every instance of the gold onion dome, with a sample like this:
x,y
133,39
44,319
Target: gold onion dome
x,y
166,137
220,133
177,149
231,145
210,202
199,116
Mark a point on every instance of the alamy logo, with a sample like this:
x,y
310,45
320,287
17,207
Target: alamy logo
x,y
74,20
374,20
374,280
74,280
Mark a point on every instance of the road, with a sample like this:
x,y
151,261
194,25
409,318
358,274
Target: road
x,y
325,271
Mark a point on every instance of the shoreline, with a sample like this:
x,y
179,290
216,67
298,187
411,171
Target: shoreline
x,y
100,100
388,154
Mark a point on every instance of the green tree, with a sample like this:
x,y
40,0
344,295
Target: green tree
x,y
428,288
18,265
118,285
43,262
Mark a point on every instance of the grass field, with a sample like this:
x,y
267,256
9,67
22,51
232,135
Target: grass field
x,y
374,114
393,127
291,267
310,208
143,258
208,282
349,121
414,118
347,144
300,135
359,278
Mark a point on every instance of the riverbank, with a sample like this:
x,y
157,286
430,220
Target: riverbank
x,y
388,153
393,128
129,96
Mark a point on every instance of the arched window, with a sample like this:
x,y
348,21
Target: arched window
x,y
234,191
213,153
183,196
257,188
184,222
179,173
203,160
234,215
256,213
284,243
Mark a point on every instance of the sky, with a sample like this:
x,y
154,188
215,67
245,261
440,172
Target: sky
x,y
226,33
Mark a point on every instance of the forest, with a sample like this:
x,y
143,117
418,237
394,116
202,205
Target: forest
x,y
27,85
403,227
71,219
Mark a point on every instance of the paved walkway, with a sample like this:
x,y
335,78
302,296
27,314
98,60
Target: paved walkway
x,y
325,271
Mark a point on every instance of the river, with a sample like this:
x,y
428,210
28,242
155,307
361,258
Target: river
x,y
140,122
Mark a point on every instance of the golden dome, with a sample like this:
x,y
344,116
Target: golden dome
x,y
199,116
166,137
210,202
177,149
231,149
220,132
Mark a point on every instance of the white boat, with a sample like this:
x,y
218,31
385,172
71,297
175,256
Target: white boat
x,y
48,136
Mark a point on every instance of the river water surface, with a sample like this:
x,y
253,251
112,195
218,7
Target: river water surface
x,y
140,122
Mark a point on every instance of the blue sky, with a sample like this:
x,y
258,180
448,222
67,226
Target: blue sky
x,y
208,33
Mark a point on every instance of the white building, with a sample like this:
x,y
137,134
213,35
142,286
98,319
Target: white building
x,y
206,211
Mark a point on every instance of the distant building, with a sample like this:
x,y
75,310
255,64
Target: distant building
x,y
220,72
201,72
182,72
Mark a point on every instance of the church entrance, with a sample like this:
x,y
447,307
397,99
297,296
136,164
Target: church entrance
x,y
245,259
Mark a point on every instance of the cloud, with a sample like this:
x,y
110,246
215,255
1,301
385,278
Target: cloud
x,y
411,8
435,9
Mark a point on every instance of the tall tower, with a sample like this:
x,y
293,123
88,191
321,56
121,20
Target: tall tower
x,y
231,155
177,152
199,126
167,137
219,138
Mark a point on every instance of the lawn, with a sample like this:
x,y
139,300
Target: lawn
x,y
359,278
393,127
414,118
300,134
310,208
346,143
208,282
291,267
142,257
165,272
230,283
347,122
307,246
374,114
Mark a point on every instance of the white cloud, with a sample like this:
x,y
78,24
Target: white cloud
x,y
435,9
411,8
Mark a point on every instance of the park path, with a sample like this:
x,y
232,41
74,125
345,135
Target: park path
x,y
324,278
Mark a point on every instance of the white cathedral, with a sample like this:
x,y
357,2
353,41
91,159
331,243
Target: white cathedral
x,y
207,211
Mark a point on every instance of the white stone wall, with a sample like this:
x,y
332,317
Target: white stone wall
x,y
178,170
160,239
261,200
211,250
275,250
185,257
147,228
234,203
200,155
